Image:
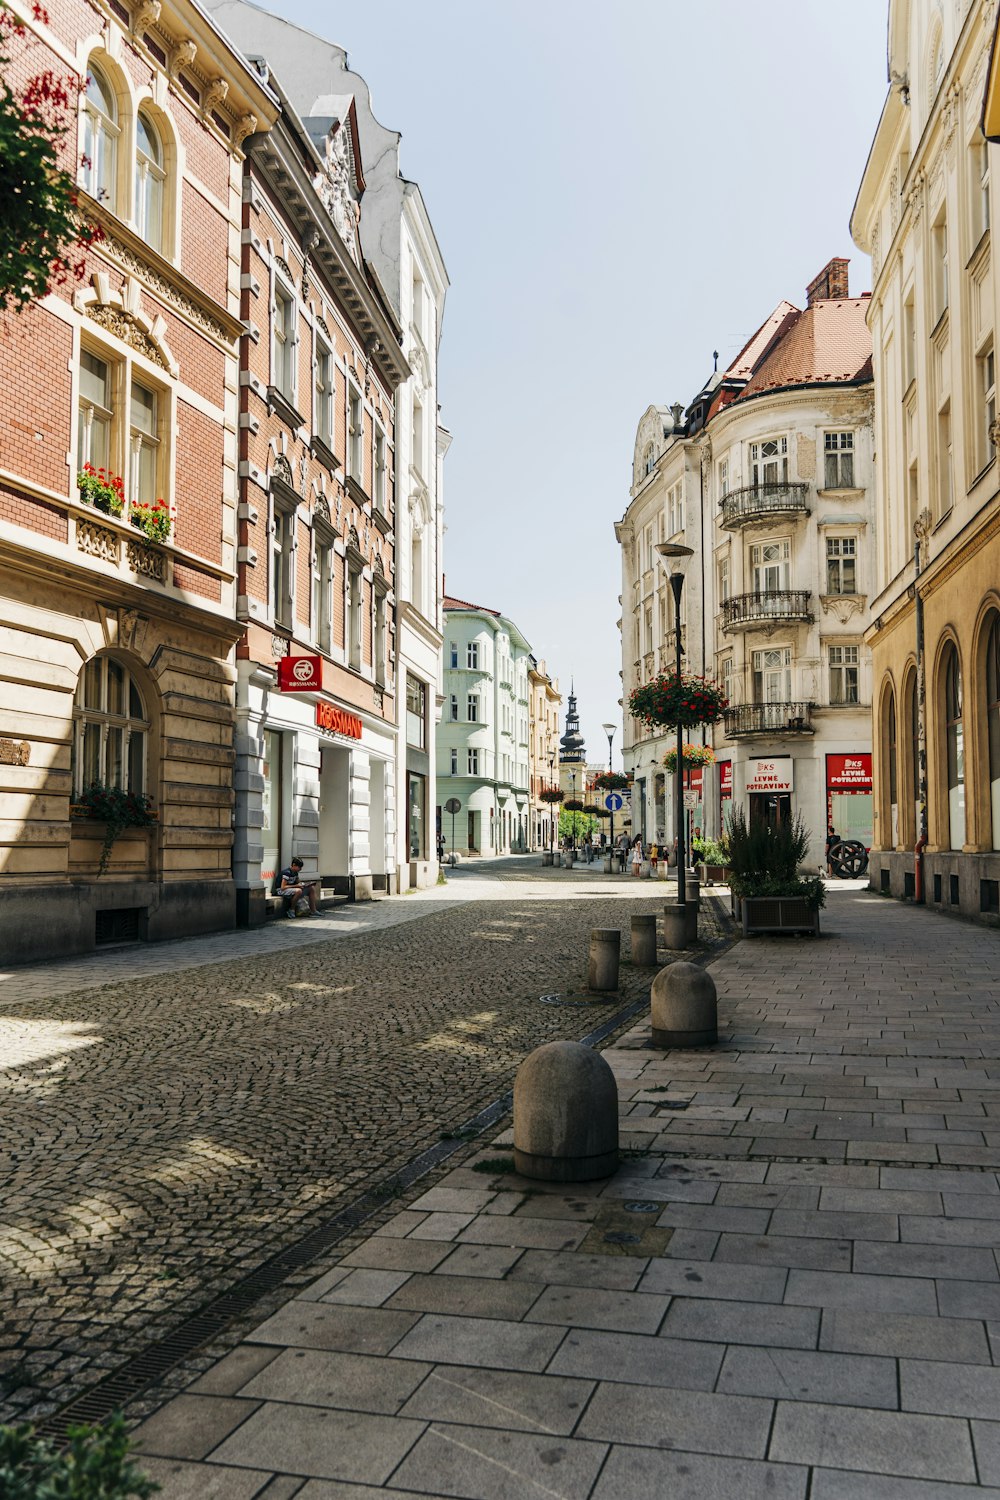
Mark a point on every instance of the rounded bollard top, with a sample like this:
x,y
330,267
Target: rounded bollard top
x,y
565,1114
685,979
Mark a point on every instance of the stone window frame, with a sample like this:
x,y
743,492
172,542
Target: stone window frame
x,y
840,557
843,661
129,724
283,290
125,371
285,502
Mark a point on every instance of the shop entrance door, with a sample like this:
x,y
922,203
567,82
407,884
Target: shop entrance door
x,y
770,808
334,814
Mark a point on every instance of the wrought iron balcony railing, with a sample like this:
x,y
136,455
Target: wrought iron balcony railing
x,y
745,611
761,501
746,719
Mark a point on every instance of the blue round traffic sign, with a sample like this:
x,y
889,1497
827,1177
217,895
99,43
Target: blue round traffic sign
x,y
613,802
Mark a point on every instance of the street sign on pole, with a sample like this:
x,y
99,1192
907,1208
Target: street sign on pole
x,y
453,806
692,800
613,802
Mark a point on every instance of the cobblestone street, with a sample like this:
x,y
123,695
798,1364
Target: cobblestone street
x,y
169,1129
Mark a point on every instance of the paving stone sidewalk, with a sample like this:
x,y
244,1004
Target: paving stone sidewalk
x,y
167,1133
790,1289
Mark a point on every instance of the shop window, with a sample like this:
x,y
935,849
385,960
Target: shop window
x,y
769,462
416,819
838,460
955,746
993,723
272,801
110,728
149,181
841,565
416,712
843,662
101,133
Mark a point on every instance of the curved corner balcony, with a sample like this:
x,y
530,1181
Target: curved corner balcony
x,y
762,502
744,720
758,611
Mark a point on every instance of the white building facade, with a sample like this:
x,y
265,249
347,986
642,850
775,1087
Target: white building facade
x,y
768,477
483,738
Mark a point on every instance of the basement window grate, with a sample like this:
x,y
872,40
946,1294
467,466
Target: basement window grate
x,y
989,896
120,926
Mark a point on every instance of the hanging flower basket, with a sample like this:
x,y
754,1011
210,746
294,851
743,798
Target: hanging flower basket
x,y
117,810
602,812
551,794
593,811
573,805
694,755
611,781
677,701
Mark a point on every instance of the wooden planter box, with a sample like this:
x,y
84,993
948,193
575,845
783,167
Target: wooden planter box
x,y
712,874
776,914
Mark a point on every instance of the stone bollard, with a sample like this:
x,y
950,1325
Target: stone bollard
x,y
680,925
567,859
684,1007
602,965
644,941
565,1115
608,864
546,856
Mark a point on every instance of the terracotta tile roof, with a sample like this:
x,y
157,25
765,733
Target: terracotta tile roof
x,y
450,603
825,345
756,347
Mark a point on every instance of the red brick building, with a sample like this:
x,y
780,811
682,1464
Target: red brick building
x,y
321,362
116,657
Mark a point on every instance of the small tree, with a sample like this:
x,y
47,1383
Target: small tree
x,y
42,230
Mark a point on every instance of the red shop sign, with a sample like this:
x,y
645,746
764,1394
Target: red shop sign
x,y
300,674
726,778
338,721
849,772
695,779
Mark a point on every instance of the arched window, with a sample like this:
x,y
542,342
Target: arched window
x,y
110,728
955,747
891,747
149,175
100,138
993,722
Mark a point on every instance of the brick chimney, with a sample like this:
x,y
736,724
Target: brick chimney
x,y
830,284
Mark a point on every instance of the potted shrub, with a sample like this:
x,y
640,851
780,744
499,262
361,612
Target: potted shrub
x,y
713,858
769,895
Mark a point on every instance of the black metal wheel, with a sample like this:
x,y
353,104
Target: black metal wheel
x,y
849,859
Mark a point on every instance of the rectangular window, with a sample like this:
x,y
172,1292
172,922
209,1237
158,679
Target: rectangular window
x,y
284,342
355,435
723,579
417,438
454,762
986,392
381,496
323,407
841,565
96,416
769,462
354,620
838,455
472,759
453,653
939,266
322,594
944,457
724,478
909,342
282,566
769,562
472,708
843,674
472,655
726,677
144,444
416,712
380,632
772,675
979,189
453,706
416,796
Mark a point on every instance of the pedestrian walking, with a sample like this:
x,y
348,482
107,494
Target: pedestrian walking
x,y
637,857
654,855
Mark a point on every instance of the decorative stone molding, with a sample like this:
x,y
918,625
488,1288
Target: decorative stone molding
x,y
183,55
378,696
335,186
843,606
98,541
134,265
279,646
128,620
145,15
122,326
217,93
122,315
245,127
18,752
147,561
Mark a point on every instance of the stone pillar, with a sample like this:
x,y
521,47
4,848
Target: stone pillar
x,y
680,926
684,1007
644,941
565,1115
602,965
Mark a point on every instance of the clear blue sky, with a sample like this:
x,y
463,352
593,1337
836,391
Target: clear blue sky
x,y
618,189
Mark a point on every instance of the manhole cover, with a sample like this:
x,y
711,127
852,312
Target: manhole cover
x,y
579,1000
643,1208
622,1237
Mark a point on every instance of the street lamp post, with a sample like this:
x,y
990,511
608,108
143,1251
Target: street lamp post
x,y
572,778
675,551
609,730
552,763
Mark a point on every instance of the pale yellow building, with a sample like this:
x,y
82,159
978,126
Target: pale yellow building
x,y
544,699
925,214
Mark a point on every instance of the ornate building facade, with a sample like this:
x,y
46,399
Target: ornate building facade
x,y
117,664
543,749
925,213
767,477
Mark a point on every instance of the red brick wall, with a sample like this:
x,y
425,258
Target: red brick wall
x,y
205,243
198,522
34,514
35,414
197,583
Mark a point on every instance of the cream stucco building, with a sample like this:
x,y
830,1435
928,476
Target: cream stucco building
x,y
925,213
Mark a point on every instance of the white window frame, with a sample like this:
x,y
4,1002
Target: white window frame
x,y
472,656
760,566
355,434
150,178
841,561
101,137
104,723
324,391
322,595
125,441
283,543
769,461
844,668
380,485
284,342
768,673
838,460
472,760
